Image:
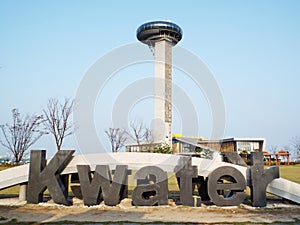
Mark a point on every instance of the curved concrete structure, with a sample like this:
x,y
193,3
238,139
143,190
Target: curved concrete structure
x,y
14,176
19,175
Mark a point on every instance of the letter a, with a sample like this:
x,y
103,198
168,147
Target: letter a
x,y
153,193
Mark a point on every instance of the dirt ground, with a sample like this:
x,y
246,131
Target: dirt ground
x,y
11,209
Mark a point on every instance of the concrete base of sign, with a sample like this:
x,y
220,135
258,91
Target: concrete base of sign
x,y
23,192
19,175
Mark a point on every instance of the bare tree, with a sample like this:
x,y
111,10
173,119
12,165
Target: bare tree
x,y
138,131
22,134
57,119
295,142
286,147
148,136
273,149
117,138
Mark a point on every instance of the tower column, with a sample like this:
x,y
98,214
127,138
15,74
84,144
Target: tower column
x,y
163,92
162,35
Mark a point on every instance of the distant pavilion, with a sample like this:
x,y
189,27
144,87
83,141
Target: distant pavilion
x,y
285,155
268,156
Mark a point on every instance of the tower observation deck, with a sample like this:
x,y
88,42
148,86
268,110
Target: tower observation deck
x,y
162,36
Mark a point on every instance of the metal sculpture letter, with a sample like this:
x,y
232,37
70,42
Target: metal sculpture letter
x,y
259,178
42,176
235,186
111,189
158,187
185,177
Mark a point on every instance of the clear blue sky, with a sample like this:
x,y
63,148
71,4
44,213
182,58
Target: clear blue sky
x,y
252,47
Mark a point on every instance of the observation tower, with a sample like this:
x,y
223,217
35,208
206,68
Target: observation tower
x,y
161,36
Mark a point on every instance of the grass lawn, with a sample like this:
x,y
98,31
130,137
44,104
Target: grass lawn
x,y
291,173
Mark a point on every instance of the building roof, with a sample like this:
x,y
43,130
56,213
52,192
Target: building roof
x,y
266,154
282,152
194,142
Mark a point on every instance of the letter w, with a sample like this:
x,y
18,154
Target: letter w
x,y
91,188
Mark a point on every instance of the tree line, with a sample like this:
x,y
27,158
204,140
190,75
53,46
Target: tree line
x,y
24,131
27,130
293,147
141,135
139,132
